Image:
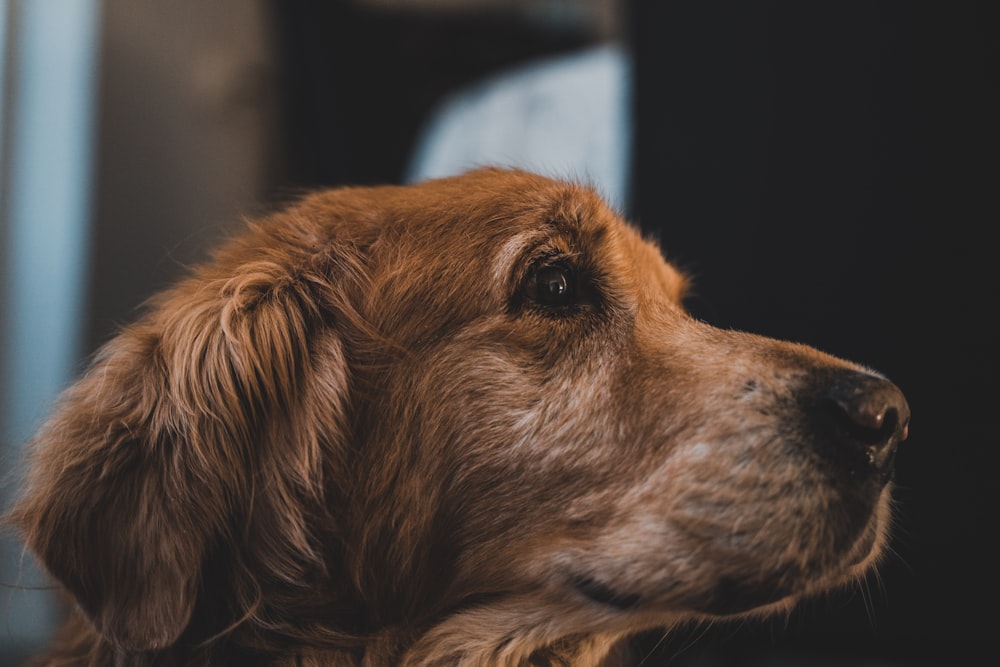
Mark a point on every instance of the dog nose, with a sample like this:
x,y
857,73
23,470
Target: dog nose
x,y
874,416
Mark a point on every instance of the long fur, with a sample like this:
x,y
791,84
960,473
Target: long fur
x,y
363,435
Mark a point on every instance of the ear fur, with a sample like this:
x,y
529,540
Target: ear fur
x,y
180,433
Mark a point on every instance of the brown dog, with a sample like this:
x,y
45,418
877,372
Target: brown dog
x,y
466,422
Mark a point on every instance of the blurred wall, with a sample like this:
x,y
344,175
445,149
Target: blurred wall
x,y
827,172
187,111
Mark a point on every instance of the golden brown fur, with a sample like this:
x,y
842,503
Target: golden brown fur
x,y
369,432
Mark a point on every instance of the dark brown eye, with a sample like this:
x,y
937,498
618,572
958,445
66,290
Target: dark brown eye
x,y
554,286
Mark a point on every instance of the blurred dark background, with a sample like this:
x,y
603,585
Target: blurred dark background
x,y
829,171
826,171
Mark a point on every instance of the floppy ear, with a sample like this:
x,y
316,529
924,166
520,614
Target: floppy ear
x,y
153,452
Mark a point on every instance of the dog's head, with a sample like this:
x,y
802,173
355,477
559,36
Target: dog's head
x,y
472,409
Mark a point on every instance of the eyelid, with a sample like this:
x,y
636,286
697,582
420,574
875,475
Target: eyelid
x,y
531,259
555,257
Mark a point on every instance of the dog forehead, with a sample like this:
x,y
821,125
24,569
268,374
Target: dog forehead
x,y
495,202
499,216
493,214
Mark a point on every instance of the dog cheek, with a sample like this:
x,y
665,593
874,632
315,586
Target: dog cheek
x,y
514,444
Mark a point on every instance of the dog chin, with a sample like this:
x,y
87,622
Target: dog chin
x,y
779,591
752,592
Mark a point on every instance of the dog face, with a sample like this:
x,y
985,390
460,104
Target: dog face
x,y
470,417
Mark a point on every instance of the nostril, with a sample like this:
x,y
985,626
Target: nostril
x,y
864,412
872,414
868,420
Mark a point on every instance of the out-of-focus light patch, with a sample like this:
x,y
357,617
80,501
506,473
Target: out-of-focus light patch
x,y
49,60
568,116
48,199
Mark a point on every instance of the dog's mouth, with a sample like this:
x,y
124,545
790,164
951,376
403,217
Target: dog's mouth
x,y
730,597
603,594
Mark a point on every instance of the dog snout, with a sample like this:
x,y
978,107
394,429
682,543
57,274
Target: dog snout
x,y
872,416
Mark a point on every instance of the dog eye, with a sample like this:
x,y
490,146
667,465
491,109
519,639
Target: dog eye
x,y
554,286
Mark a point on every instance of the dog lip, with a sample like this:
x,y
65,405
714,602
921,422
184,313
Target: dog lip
x,y
604,594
